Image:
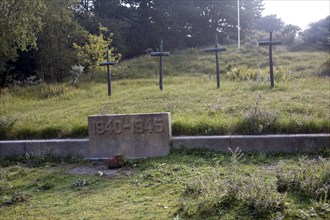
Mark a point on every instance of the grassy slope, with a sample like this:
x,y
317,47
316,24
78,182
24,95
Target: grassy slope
x,y
151,189
300,102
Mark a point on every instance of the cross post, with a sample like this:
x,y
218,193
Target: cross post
x,y
160,54
270,43
108,64
216,49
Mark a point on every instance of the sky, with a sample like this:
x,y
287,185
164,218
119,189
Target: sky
x,y
298,12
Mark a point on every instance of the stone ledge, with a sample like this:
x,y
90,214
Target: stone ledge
x,y
292,143
55,146
295,143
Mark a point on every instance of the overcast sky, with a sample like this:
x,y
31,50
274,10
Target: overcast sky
x,y
298,12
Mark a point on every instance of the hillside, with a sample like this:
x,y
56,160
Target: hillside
x,y
244,104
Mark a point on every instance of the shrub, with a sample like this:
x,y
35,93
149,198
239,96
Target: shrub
x,y
258,120
311,178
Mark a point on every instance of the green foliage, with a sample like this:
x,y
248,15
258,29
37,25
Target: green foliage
x,y
56,55
20,21
316,36
93,52
181,24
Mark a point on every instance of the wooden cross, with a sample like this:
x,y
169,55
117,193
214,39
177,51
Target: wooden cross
x,y
270,43
160,54
216,49
108,64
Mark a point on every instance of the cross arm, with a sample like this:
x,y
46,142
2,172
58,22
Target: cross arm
x,y
215,49
267,43
107,63
160,54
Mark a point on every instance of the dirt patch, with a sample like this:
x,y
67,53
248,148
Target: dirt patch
x,y
100,170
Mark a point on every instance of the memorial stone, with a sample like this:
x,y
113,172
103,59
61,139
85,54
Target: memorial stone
x,y
133,135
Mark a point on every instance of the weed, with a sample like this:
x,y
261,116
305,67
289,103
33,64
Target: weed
x,y
258,120
44,184
311,178
6,124
17,197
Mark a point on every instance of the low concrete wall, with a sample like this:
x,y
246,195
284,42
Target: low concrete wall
x,y
59,146
259,143
295,143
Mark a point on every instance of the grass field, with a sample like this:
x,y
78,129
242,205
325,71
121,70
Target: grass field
x,y
194,184
245,104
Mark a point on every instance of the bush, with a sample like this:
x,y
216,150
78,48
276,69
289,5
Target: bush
x,y
211,195
311,178
258,120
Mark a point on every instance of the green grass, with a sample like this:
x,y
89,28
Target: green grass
x,y
178,186
299,103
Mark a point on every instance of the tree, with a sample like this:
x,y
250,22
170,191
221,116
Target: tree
x,y
317,35
56,54
20,21
269,23
93,51
288,34
180,23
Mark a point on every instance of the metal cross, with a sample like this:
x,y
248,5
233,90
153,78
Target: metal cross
x,y
216,50
270,43
160,54
108,64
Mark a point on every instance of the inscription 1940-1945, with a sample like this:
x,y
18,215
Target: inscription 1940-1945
x,y
135,126
133,135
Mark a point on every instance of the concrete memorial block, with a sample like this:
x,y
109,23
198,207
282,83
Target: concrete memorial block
x,y
133,135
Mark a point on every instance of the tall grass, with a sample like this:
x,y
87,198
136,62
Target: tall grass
x,y
300,100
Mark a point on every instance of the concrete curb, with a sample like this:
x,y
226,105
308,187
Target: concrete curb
x,y
61,147
296,143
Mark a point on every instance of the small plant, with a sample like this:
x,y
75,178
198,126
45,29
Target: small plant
x,y
80,183
43,184
258,120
